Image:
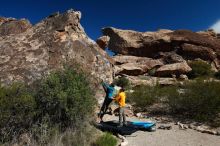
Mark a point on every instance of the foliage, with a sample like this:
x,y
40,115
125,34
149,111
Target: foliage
x,y
66,98
152,71
106,140
199,69
63,100
199,100
144,96
17,108
123,82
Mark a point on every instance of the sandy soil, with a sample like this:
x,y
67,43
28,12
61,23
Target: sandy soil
x,y
173,137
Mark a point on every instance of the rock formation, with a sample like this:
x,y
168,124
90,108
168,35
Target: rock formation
x,y
103,41
165,52
173,69
132,65
29,52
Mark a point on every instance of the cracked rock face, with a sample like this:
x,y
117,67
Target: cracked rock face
x,y
172,48
29,52
10,26
148,44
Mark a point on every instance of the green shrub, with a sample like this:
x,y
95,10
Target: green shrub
x,y
106,140
198,100
17,108
122,82
199,69
152,71
63,100
66,98
144,96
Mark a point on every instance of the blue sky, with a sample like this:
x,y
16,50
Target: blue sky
x,y
140,15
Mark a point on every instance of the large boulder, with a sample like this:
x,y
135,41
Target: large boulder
x,y
173,69
185,36
132,65
170,57
151,81
29,54
190,51
131,69
135,43
149,44
149,62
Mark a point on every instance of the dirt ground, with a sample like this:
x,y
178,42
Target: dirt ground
x,y
173,137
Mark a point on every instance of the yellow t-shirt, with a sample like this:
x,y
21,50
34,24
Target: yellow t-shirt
x,y
120,98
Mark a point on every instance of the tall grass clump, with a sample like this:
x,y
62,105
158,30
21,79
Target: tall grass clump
x,y
106,140
199,69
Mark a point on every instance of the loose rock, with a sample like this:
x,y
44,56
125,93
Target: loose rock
x,y
165,127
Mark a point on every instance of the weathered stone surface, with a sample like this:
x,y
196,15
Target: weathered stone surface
x,y
205,129
10,26
170,57
165,127
148,62
208,33
149,44
131,69
132,65
130,42
186,36
103,42
183,77
194,51
175,68
57,40
151,81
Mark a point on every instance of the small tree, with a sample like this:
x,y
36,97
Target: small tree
x,y
66,97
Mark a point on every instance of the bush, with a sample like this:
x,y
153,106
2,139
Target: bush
x,y
66,98
62,101
144,96
198,100
199,69
17,108
152,71
122,82
106,140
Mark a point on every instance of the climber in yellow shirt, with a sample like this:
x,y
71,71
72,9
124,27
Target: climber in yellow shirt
x,y
120,98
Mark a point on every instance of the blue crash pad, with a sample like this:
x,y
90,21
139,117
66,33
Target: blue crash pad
x,y
145,125
131,127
